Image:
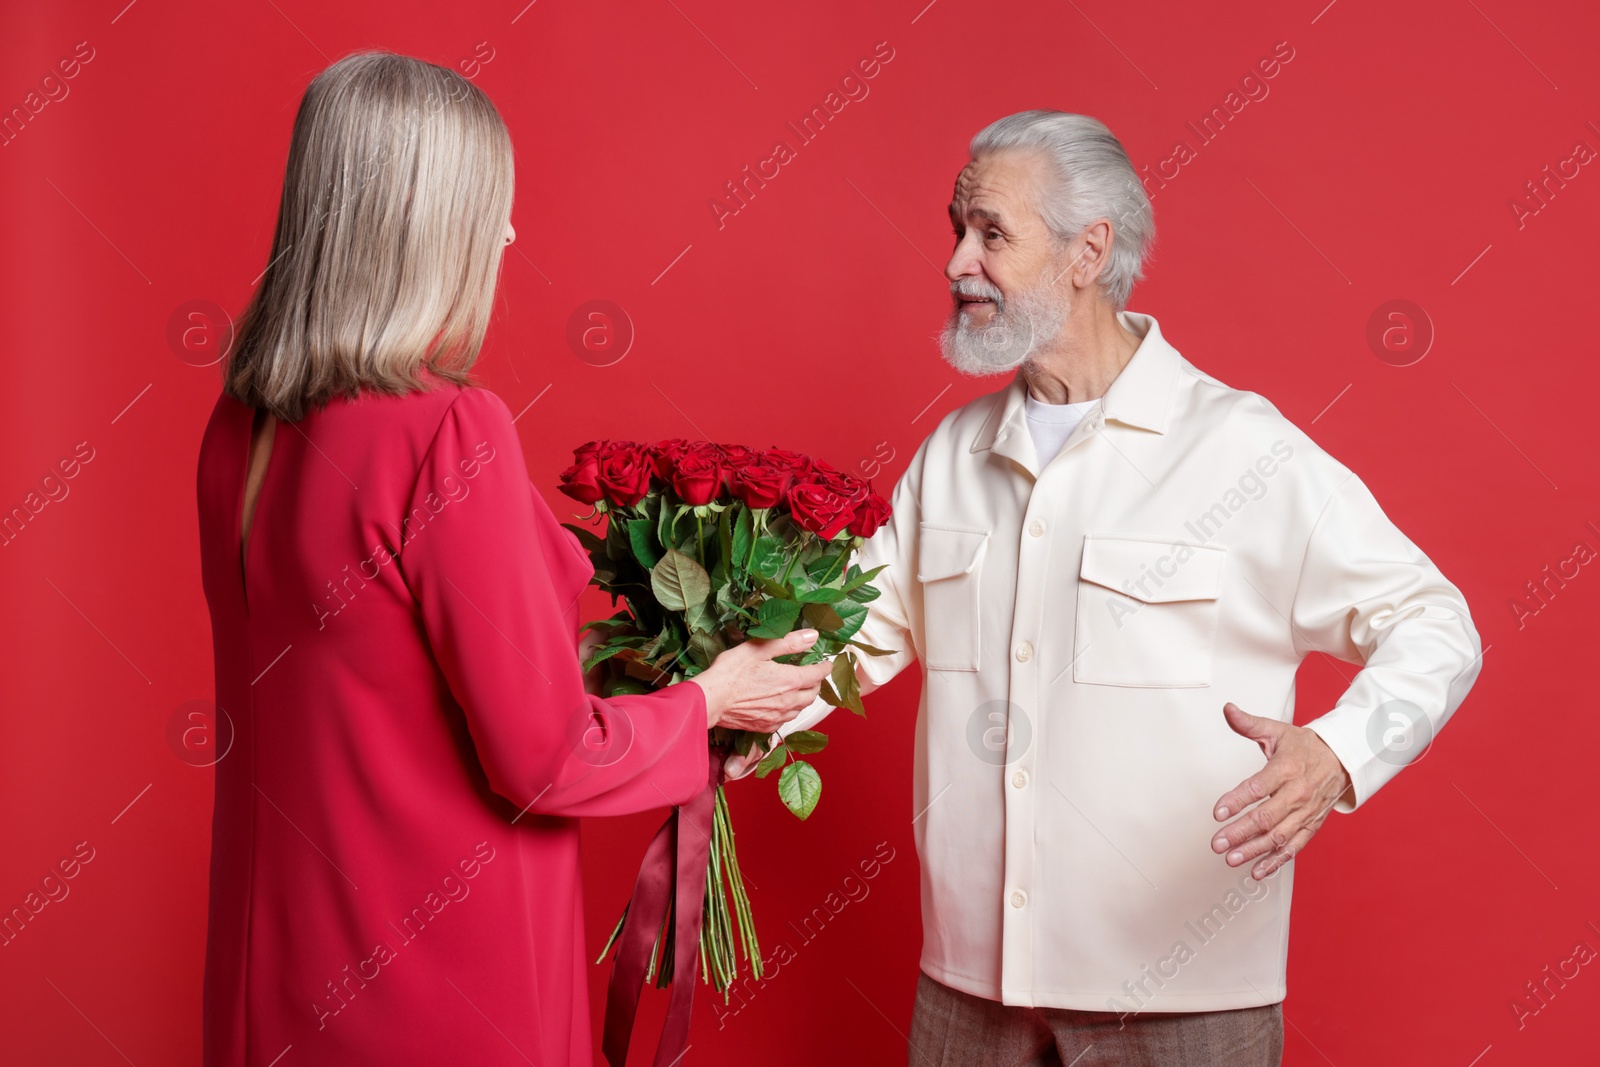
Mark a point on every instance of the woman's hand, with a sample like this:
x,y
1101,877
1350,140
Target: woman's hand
x,y
737,766
745,690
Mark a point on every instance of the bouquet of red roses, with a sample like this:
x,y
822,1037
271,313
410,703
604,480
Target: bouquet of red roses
x,y
706,545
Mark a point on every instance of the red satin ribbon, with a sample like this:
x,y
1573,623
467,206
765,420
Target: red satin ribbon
x,y
657,882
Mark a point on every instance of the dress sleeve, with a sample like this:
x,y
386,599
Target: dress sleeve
x,y
1368,595
481,552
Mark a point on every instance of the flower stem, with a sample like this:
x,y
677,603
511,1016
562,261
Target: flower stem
x,y
720,945
741,899
805,538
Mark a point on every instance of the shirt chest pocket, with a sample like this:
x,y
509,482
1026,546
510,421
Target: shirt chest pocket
x,y
950,568
1147,612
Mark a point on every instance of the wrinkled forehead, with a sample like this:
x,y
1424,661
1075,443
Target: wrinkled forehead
x,y
997,184
966,182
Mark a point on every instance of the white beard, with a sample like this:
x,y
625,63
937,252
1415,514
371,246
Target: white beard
x,y
1018,328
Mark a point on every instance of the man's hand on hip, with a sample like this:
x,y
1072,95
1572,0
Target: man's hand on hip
x,y
1297,788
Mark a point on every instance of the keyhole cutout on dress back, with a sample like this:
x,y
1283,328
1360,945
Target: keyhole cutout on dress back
x,y
262,429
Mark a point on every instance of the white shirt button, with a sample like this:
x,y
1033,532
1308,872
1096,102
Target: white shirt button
x,y
1024,652
1036,527
1018,899
1019,779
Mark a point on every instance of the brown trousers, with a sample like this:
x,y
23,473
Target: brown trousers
x,y
950,1028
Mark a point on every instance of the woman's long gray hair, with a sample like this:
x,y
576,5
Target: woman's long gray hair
x,y
389,241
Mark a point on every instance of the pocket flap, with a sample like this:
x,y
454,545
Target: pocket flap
x,y
1156,572
946,553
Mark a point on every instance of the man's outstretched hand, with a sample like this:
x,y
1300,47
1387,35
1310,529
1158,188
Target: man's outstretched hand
x,y
1297,788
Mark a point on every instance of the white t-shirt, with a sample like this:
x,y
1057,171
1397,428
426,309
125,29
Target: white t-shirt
x,y
1052,424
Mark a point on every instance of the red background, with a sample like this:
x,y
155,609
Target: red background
x,y
1380,167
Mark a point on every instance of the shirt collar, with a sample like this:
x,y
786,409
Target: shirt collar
x,y
1141,395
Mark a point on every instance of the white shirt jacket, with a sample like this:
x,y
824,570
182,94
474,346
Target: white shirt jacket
x,y
1079,629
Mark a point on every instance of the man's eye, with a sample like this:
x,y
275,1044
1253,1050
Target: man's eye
x,y
992,235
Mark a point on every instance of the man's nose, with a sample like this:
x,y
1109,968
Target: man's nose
x,y
963,263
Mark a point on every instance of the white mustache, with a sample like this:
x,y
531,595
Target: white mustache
x,y
973,288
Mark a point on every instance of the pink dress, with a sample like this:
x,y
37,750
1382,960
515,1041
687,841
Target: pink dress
x,y
394,865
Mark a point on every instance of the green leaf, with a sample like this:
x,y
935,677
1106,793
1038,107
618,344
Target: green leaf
x,y
699,618
619,621
741,539
667,644
826,648
766,558
804,742
617,543
844,682
820,568
771,761
852,614
800,787
705,647
679,581
865,594
844,693
586,537
870,650
777,618
858,580
770,587
832,567
601,655
821,595
641,537
745,740
664,523
823,617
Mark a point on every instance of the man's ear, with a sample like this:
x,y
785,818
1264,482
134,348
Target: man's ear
x,y
1084,259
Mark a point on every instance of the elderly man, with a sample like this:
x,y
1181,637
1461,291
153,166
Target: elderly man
x,y
1109,571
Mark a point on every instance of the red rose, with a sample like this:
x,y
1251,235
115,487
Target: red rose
x,y
735,458
581,481
871,513
761,485
821,510
822,470
797,462
846,485
664,456
697,473
624,473
589,448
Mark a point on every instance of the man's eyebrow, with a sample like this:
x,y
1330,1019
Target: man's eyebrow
x,y
978,212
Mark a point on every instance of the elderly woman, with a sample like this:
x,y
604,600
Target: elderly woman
x,y
394,870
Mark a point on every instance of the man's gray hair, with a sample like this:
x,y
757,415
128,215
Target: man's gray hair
x,y
1095,181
